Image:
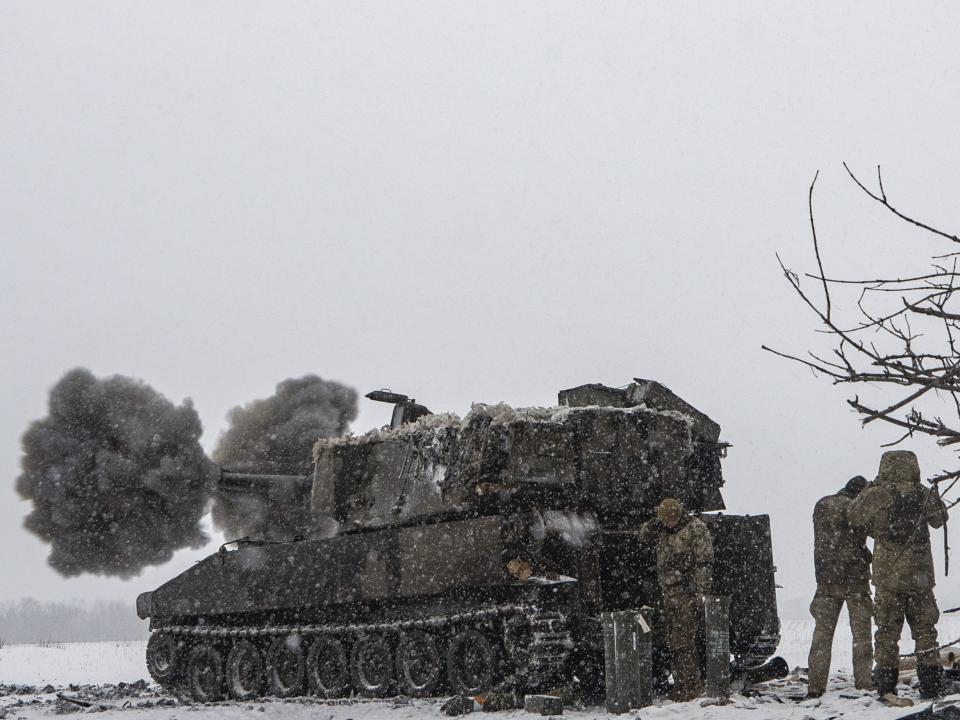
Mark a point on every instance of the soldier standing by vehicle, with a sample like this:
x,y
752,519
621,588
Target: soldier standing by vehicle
x,y
685,572
842,563
896,511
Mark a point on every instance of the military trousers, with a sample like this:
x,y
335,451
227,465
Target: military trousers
x,y
825,608
921,613
683,617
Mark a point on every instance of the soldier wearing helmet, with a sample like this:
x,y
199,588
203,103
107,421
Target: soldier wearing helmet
x,y
685,571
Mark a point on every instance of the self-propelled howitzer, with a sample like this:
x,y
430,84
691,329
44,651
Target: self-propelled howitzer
x,y
447,555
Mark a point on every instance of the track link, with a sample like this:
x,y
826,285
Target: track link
x,y
536,643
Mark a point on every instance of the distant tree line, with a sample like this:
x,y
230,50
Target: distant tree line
x,y
28,620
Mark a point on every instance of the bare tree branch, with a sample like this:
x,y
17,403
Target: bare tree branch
x,y
932,313
882,199
816,245
936,383
893,334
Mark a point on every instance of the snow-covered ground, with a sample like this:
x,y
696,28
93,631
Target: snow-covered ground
x,y
92,663
84,664
796,634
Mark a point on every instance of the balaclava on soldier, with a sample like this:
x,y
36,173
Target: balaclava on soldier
x,y
897,512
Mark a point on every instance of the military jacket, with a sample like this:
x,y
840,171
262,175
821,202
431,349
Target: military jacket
x,y
896,511
684,555
840,553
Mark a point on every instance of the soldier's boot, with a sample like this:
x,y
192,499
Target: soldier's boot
x,y
931,681
886,680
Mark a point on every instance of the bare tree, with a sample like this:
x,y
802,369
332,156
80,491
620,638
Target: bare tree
x,y
895,335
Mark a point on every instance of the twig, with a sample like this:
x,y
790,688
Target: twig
x,y
883,201
816,245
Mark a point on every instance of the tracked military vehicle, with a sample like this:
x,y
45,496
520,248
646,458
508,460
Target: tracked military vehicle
x,y
442,555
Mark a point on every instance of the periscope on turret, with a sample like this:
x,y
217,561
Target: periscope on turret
x,y
446,555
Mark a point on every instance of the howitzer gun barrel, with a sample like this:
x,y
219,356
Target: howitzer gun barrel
x,y
252,482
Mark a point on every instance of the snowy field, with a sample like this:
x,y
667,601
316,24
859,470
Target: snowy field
x,y
796,634
107,664
93,663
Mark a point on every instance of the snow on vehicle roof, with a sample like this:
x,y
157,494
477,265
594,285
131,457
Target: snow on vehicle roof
x,y
433,425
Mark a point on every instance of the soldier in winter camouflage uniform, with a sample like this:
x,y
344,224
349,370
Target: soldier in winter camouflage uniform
x,y
842,562
685,571
896,511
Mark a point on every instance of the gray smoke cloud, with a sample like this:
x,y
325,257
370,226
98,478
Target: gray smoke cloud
x,y
116,474
275,435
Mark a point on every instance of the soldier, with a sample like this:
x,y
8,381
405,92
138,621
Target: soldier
x,y
895,511
842,563
685,572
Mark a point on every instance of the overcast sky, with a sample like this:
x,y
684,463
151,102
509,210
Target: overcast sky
x,y
464,202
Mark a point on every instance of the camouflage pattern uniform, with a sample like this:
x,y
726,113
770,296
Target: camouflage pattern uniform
x,y
895,510
842,563
685,572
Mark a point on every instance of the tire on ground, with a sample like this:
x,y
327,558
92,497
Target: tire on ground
x,y
204,673
285,666
419,667
245,675
328,668
471,663
371,666
164,657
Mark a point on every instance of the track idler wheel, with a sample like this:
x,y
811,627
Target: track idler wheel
x,y
285,666
164,653
328,669
371,666
204,673
471,663
418,664
244,671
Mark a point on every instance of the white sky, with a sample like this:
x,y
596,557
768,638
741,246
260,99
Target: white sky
x,y
465,202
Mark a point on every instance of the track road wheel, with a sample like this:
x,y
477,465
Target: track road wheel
x,y
328,670
163,655
204,676
244,671
371,666
471,663
285,666
418,664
